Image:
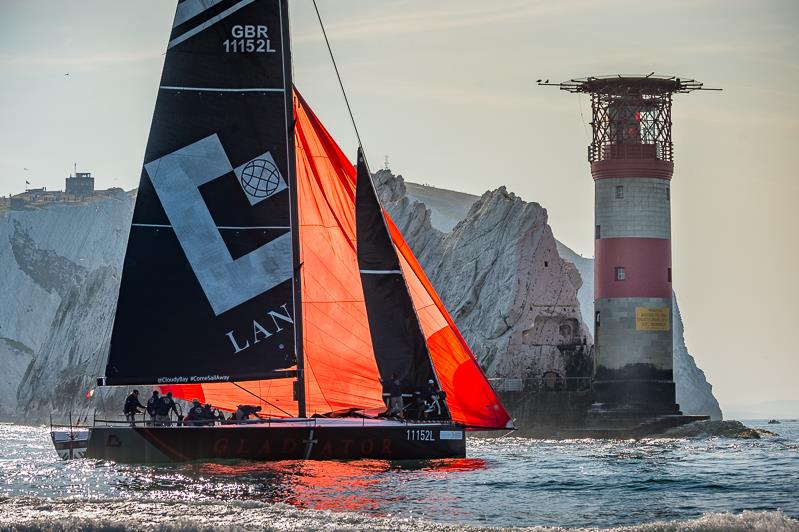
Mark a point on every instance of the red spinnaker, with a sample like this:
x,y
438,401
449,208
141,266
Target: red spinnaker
x,y
341,371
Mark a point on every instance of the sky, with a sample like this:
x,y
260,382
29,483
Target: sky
x,y
447,91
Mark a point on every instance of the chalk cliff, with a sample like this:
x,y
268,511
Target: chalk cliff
x,y
499,273
60,274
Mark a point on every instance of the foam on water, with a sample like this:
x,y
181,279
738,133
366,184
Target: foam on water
x,y
23,514
706,483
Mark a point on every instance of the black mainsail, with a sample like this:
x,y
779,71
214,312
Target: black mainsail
x,y
209,289
397,339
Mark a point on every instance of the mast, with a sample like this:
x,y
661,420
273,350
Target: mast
x,y
288,75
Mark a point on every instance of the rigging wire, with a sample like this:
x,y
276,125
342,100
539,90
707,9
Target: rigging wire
x,y
338,75
352,117
90,405
260,398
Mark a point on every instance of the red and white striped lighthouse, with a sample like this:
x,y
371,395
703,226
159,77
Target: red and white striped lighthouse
x,y
631,158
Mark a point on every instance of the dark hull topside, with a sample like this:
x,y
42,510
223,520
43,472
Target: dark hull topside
x,y
330,439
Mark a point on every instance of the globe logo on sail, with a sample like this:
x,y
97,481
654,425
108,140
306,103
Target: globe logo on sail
x,y
260,178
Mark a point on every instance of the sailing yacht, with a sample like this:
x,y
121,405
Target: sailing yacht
x,y
262,269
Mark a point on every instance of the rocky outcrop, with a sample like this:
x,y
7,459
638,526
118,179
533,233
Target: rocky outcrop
x,y
716,429
694,392
499,273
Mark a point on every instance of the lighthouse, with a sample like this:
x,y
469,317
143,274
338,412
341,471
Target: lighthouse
x,y
632,162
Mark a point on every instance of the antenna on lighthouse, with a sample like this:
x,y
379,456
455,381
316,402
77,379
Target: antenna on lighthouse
x,y
386,166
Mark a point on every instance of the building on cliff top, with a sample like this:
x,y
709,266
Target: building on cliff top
x,y
80,185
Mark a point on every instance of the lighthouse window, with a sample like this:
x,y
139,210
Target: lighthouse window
x,y
669,274
620,192
668,194
620,273
597,233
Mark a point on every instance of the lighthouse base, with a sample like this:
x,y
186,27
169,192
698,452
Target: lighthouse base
x,y
647,397
567,415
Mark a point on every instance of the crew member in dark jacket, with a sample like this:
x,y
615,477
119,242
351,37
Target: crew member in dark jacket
x,y
434,399
395,403
244,412
132,406
210,415
151,404
163,407
196,415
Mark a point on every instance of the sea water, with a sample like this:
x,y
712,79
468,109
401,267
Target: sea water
x,y
706,483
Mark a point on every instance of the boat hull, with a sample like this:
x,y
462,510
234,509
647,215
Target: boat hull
x,y
327,441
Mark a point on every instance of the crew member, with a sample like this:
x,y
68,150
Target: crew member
x,y
151,402
434,398
394,390
418,403
196,415
245,411
163,407
209,414
132,406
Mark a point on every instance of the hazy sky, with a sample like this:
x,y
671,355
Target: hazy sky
x,y
447,90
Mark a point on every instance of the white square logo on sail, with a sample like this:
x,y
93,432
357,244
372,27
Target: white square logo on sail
x,y
227,282
260,178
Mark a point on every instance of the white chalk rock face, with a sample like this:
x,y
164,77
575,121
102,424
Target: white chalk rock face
x,y
498,272
694,392
60,272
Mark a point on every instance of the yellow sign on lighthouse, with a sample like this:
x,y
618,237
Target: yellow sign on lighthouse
x,y
652,318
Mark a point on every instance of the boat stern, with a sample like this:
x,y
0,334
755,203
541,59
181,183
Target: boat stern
x,y
70,444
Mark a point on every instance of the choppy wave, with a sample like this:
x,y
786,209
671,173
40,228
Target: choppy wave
x,y
653,484
28,514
